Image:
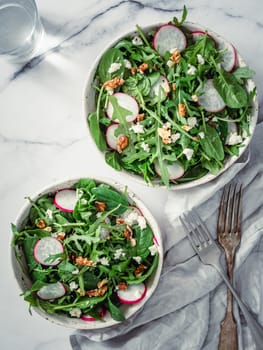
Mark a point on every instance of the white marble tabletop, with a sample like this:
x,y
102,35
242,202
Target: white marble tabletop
x,y
43,132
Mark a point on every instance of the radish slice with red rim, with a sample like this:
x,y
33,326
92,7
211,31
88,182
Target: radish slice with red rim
x,y
210,99
111,139
51,291
169,37
133,294
45,248
197,33
66,200
89,318
229,55
175,170
125,101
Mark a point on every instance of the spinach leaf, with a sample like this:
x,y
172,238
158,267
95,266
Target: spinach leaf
x,y
212,144
144,239
233,94
113,55
115,312
113,160
112,199
96,133
211,165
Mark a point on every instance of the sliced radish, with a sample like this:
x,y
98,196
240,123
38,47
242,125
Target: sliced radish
x,y
89,318
229,55
66,200
133,294
231,129
111,139
126,101
160,88
52,291
175,170
44,248
197,33
169,37
210,99
155,240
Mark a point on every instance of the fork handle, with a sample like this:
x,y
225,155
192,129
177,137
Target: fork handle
x,y
228,333
255,328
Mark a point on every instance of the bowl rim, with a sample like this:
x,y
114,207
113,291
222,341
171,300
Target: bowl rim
x,y
129,310
208,177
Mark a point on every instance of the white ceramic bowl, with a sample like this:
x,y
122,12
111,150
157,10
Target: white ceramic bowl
x,y
25,283
90,106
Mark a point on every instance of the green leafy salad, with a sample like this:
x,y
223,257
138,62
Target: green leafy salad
x,y
88,250
172,103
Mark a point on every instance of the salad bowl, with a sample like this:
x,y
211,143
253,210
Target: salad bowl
x,y
86,253
178,111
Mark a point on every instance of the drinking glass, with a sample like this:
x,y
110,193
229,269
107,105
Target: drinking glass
x,y
20,28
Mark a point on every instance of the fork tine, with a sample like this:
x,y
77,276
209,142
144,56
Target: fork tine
x,y
197,231
220,219
189,233
238,198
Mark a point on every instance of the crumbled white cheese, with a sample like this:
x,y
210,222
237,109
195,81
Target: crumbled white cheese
x,y
153,249
191,69
49,213
175,137
192,121
188,152
119,253
173,50
75,272
214,119
83,201
79,193
145,147
166,125
114,67
104,232
132,218
137,128
104,261
127,64
73,285
75,312
195,98
141,222
138,259
170,63
200,59
201,134
137,41
233,139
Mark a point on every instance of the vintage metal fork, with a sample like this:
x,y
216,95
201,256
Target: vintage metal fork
x,y
209,253
229,237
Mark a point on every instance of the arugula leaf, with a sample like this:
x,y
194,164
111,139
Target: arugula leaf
x,y
243,73
119,113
